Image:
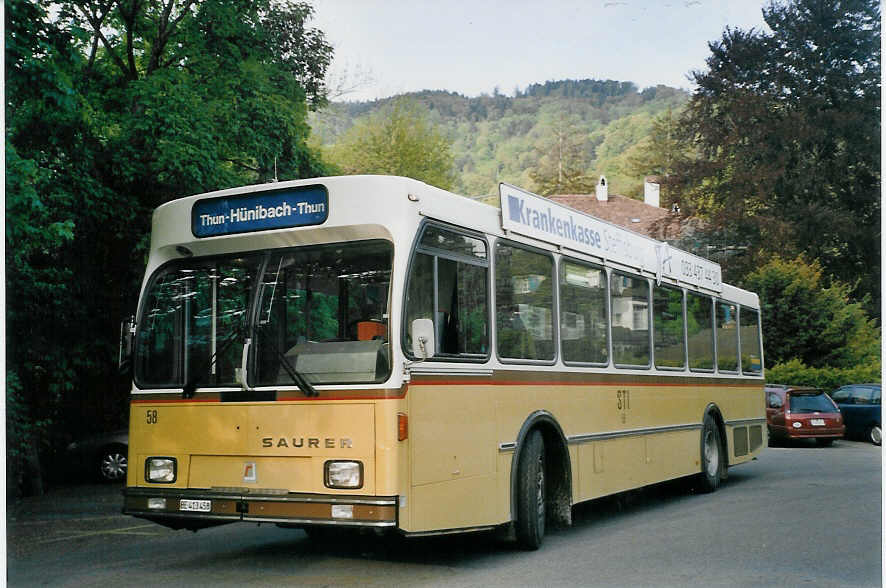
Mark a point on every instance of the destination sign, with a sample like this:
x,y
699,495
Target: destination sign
x,y
244,213
534,216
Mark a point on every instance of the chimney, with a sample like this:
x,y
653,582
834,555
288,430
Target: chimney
x,y
651,191
602,190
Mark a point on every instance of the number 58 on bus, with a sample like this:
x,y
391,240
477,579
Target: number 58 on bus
x,y
373,352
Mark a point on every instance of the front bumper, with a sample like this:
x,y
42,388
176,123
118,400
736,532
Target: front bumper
x,y
219,506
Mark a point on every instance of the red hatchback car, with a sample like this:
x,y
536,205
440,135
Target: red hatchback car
x,y
794,412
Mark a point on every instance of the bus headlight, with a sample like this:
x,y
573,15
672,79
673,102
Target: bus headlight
x,y
343,474
160,470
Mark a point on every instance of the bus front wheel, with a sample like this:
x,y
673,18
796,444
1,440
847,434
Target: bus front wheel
x,y
530,526
712,462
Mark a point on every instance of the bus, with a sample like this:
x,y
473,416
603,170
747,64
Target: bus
x,y
373,352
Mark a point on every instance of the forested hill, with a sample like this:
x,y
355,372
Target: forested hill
x,y
593,126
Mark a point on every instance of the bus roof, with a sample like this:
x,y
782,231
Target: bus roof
x,y
343,208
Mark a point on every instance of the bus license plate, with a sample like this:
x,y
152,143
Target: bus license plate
x,y
195,505
817,422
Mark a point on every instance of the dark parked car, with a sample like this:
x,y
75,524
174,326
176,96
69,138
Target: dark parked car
x,y
795,412
860,405
101,456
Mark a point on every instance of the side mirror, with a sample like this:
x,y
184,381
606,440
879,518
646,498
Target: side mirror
x,y
127,338
422,331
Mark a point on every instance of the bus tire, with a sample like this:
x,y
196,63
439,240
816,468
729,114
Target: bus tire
x,y
712,458
530,525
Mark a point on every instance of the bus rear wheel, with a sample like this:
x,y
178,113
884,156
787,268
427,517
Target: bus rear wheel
x,y
711,456
530,526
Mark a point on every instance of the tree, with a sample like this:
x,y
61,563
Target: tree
x,y
661,153
112,108
806,320
200,95
785,133
399,140
44,133
563,157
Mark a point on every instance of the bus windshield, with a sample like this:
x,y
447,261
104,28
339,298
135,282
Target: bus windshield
x,y
322,313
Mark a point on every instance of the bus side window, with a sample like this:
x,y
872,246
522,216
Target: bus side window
x,y
584,336
700,331
448,283
667,317
524,310
727,337
629,300
749,335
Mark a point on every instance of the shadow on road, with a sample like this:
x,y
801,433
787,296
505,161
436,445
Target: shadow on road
x,y
465,548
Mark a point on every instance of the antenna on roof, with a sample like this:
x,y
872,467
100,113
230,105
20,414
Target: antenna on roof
x,y
275,170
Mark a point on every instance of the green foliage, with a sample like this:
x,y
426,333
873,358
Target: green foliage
x,y
660,153
501,139
112,108
598,90
795,372
806,320
23,437
784,132
399,140
563,157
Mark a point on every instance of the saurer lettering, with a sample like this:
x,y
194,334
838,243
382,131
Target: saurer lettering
x,y
309,442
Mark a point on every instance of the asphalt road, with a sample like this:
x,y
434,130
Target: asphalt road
x,y
799,516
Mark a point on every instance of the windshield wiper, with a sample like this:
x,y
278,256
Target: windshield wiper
x,y
190,386
299,378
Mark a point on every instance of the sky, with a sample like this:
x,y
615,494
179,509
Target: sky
x,y
387,47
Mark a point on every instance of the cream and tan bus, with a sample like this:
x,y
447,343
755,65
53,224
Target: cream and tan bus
x,y
374,352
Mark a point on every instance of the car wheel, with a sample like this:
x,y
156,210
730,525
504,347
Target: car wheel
x,y
874,435
711,456
530,526
112,463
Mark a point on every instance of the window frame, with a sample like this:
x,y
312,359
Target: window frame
x,y
555,299
251,308
435,253
558,303
712,327
759,340
649,341
255,311
717,303
682,292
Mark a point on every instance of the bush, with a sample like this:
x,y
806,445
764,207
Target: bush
x,y
23,436
807,319
795,372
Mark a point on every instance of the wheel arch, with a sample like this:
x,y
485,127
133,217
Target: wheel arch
x,y
714,410
558,465
110,446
